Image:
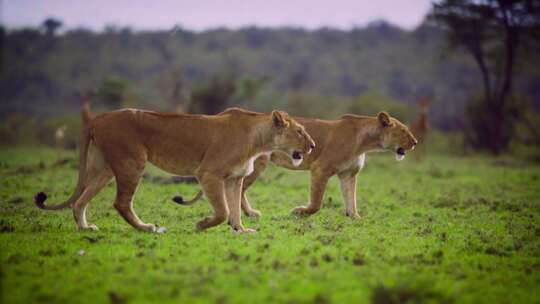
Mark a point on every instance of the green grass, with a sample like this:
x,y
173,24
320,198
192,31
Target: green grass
x,y
446,230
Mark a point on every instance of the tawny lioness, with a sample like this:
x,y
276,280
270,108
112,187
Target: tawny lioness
x,y
218,149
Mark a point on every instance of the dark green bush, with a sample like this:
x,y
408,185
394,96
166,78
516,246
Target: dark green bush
x,y
372,102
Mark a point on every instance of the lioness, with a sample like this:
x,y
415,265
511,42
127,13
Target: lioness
x,y
341,148
218,149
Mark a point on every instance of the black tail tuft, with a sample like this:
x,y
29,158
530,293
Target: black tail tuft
x,y
179,200
39,199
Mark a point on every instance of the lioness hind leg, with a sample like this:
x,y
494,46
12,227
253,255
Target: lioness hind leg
x,y
126,188
248,210
318,187
93,187
214,190
98,174
128,169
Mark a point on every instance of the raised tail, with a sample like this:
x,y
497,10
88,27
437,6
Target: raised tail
x,y
40,197
86,113
180,200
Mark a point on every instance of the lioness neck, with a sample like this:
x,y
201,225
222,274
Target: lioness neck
x,y
369,134
262,133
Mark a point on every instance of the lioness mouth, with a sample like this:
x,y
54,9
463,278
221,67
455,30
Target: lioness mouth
x,y
297,158
400,154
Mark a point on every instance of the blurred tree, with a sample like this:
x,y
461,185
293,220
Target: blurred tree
x,y
2,39
477,127
51,25
214,96
113,92
255,37
185,35
179,97
399,85
491,32
372,102
301,103
248,88
325,67
300,76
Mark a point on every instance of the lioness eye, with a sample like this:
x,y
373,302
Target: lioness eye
x,y
299,132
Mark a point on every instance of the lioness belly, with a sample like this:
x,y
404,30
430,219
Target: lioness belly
x,y
175,164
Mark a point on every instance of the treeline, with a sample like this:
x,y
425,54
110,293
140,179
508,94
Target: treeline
x,y
323,72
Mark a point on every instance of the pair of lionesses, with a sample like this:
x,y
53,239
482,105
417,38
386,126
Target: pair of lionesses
x,y
226,152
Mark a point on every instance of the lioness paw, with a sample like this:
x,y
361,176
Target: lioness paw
x,y
353,215
148,228
242,229
203,224
90,227
302,211
253,213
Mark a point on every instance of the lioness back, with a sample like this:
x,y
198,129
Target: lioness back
x,y
179,139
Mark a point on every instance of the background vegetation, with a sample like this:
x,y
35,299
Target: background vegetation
x,y
322,73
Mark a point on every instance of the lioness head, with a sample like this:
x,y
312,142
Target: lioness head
x,y
290,137
395,136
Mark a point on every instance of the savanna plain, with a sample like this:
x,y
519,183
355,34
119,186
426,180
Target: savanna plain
x,y
449,229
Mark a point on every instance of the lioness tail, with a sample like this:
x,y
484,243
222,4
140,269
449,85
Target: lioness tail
x,y
180,200
40,197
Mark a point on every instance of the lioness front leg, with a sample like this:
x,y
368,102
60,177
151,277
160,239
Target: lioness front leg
x,y
319,179
213,188
259,166
248,210
347,182
233,190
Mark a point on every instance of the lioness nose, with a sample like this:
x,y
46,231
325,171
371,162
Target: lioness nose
x,y
312,146
415,142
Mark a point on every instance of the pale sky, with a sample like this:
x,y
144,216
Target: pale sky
x,y
204,14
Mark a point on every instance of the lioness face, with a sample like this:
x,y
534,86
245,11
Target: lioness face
x,y
290,137
395,136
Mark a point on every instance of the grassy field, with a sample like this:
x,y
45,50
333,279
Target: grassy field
x,y
450,230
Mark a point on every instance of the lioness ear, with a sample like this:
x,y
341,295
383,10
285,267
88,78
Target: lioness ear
x,y
384,119
279,119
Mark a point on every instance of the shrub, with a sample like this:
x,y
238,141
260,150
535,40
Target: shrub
x,y
372,102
